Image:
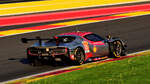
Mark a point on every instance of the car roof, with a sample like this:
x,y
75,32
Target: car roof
x,y
79,33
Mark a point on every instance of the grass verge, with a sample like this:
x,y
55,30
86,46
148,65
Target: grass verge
x,y
134,70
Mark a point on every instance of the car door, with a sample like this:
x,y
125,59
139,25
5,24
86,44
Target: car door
x,y
98,46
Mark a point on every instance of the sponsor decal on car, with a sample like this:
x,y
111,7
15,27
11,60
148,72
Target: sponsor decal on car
x,y
99,43
94,48
86,46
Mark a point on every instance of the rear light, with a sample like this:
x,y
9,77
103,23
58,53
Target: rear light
x,y
47,49
56,37
57,41
72,57
66,50
28,51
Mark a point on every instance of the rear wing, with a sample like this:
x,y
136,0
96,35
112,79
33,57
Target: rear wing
x,y
25,40
39,39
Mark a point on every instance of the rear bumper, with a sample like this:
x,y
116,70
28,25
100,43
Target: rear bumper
x,y
61,53
46,54
47,51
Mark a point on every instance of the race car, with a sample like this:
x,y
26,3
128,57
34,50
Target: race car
x,y
76,47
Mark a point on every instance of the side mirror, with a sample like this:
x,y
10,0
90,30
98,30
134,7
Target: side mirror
x,y
24,40
108,37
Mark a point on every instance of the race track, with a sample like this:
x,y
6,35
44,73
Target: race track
x,y
134,30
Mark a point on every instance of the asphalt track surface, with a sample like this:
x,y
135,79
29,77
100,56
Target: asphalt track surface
x,y
135,31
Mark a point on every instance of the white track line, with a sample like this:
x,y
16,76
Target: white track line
x,y
36,74
62,69
139,52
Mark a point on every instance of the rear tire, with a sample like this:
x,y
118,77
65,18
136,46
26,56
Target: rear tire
x,y
79,56
34,61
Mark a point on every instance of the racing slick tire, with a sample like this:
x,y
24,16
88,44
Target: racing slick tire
x,y
79,56
116,49
36,62
33,61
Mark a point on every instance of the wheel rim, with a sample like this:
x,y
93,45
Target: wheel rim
x,y
117,49
79,56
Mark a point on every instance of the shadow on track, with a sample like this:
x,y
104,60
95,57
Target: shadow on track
x,y
44,62
47,63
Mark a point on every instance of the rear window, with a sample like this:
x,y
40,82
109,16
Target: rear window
x,y
63,39
66,39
